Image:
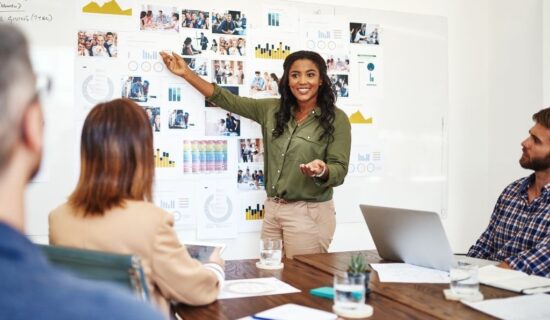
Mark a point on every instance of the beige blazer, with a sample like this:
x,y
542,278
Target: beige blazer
x,y
146,230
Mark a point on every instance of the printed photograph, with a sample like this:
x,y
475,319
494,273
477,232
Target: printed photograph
x,y
229,22
153,113
159,18
137,88
222,123
340,85
251,150
179,119
265,84
363,33
337,63
250,177
199,66
195,19
228,72
97,44
229,46
195,42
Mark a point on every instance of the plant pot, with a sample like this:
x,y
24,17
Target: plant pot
x,y
367,279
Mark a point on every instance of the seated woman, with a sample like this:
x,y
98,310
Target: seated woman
x,y
111,210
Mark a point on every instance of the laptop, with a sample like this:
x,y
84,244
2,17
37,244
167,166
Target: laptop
x,y
412,236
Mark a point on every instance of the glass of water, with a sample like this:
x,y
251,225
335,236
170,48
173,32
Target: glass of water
x,y
271,251
464,278
349,291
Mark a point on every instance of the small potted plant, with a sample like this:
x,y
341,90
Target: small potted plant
x,y
358,266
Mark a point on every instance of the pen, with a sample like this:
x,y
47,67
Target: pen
x,y
261,318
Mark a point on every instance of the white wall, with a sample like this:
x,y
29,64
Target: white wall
x,y
495,84
497,79
515,85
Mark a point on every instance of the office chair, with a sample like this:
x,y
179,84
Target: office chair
x,y
124,270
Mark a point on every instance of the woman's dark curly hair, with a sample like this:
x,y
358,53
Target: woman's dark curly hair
x,y
325,97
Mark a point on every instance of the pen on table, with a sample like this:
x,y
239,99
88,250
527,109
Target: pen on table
x,y
261,318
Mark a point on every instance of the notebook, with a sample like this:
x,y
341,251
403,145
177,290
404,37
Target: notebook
x,y
513,280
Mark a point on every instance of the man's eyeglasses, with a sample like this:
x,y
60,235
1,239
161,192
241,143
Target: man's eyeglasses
x,y
42,89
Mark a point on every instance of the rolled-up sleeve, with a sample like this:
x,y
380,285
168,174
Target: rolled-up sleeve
x,y
534,261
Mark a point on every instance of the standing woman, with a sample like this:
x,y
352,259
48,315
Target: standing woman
x,y
111,208
307,143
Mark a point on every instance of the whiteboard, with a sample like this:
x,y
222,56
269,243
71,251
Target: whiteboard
x,y
398,159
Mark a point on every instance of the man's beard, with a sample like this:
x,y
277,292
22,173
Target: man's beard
x,y
536,164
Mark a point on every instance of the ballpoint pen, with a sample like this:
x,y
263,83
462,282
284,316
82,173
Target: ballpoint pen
x,y
261,318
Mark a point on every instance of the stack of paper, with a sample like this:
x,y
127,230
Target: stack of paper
x,y
291,311
408,273
513,280
532,307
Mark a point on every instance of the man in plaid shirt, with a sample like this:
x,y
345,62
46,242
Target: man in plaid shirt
x,y
518,234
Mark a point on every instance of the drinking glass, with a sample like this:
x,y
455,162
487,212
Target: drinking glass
x,y
464,278
349,291
271,251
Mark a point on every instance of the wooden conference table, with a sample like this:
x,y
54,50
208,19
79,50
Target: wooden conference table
x,y
305,272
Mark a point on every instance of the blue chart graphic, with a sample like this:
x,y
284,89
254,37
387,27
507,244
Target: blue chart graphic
x,y
273,19
174,94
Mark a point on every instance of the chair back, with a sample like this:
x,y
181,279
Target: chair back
x,y
124,270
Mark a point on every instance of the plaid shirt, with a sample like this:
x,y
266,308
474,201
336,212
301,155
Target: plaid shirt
x,y
519,231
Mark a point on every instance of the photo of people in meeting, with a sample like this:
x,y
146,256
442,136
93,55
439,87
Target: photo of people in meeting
x,y
153,114
250,177
337,63
228,72
136,89
158,18
251,150
264,84
363,33
229,46
188,48
222,123
97,44
179,119
199,66
340,85
229,22
195,19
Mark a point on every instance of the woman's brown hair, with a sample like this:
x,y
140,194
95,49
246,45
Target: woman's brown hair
x,y
117,163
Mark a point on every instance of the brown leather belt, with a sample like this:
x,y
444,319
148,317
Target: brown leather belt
x,y
280,200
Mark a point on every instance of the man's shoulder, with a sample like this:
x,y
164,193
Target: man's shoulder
x,y
40,291
91,300
516,185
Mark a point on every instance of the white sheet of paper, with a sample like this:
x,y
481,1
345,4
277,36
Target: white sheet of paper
x,y
291,311
254,287
528,307
408,273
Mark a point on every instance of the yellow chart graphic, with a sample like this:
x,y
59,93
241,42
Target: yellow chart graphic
x,y
272,51
358,118
110,7
254,214
163,160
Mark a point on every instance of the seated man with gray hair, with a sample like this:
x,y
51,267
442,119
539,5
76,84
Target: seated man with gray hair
x,y
29,286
